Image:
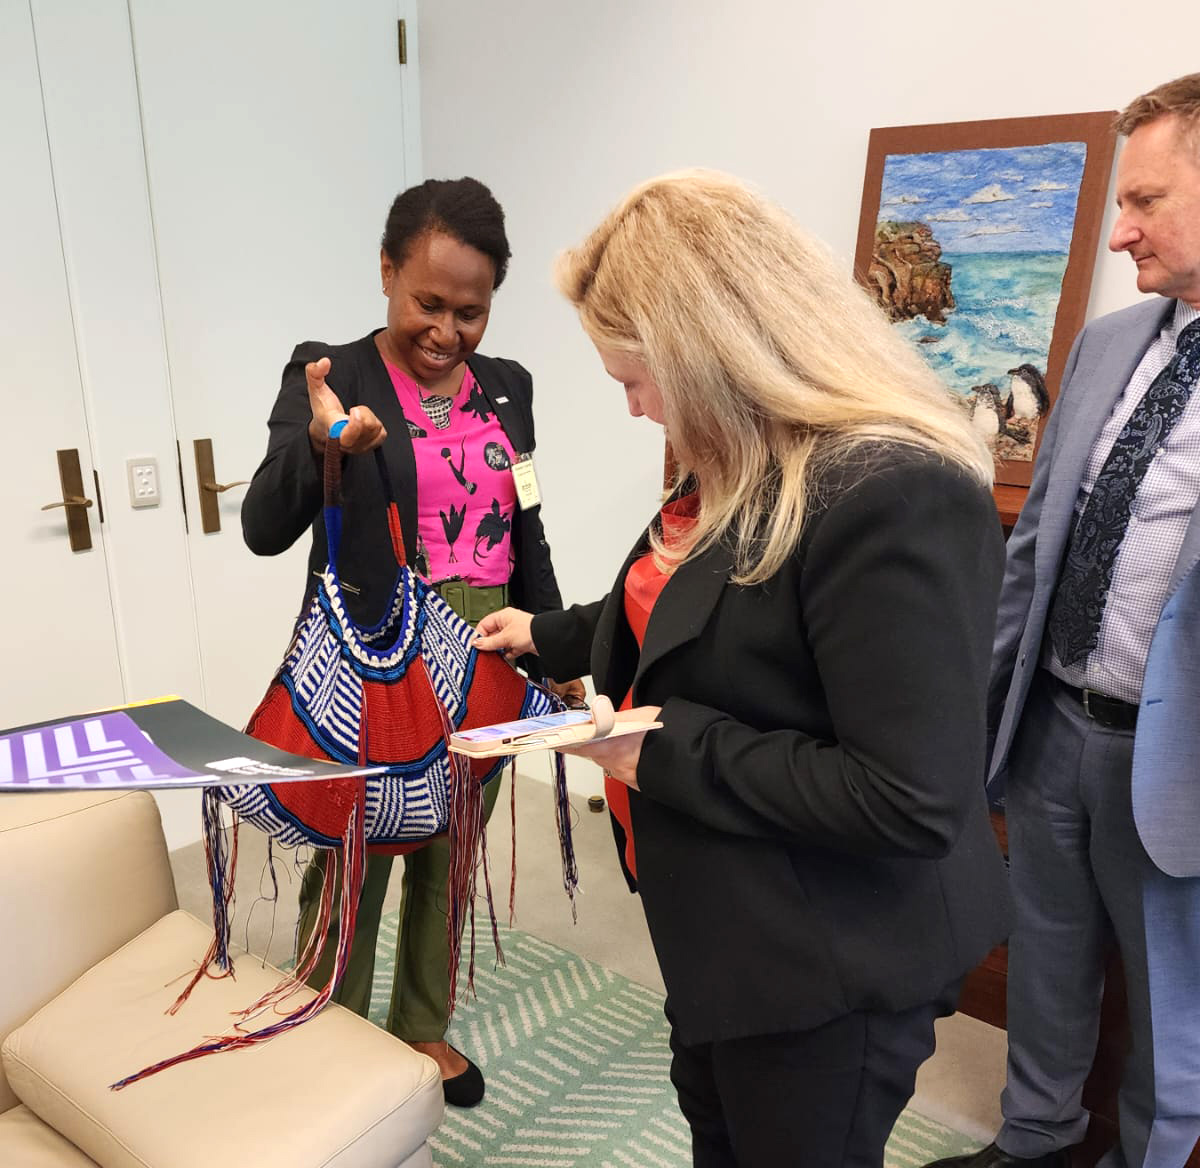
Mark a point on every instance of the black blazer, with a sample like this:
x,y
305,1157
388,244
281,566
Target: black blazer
x,y
812,834
285,497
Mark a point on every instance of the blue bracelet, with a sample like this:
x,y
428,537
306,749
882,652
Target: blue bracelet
x,y
335,431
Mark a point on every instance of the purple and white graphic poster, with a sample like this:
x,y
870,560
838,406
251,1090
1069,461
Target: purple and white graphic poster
x,y
163,743
103,750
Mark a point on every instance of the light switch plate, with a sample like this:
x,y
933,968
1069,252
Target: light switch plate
x,y
143,482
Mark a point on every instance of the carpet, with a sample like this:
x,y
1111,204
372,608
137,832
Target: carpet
x,y
576,1059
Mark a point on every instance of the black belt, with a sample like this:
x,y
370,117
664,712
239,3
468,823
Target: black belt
x,y
1109,712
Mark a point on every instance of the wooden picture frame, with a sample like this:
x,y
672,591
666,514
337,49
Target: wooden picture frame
x,y
1012,209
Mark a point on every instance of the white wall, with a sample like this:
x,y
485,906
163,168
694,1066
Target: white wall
x,y
561,106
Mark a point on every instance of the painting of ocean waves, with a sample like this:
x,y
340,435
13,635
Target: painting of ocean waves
x,y
1004,316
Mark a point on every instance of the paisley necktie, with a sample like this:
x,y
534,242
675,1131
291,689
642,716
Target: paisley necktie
x,y
1096,538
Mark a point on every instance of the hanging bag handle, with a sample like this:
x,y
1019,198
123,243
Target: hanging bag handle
x,y
333,498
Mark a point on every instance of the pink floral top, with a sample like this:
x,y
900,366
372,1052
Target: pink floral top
x,y
466,499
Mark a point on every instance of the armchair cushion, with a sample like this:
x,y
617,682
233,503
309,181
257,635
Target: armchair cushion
x,y
26,1141
82,873
337,1092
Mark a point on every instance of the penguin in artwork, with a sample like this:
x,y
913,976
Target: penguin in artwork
x,y
1027,394
988,412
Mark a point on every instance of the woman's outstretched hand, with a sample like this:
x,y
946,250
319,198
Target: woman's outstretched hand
x,y
506,631
363,431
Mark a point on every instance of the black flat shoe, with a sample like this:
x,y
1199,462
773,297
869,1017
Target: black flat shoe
x,y
994,1157
466,1089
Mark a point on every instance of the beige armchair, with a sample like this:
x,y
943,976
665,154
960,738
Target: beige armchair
x,y
92,950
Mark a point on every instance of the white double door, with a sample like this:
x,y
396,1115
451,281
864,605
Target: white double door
x,y
190,190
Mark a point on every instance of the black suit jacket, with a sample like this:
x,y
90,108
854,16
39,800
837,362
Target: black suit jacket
x,y
812,834
285,497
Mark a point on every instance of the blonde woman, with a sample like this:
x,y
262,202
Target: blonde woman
x,y
810,617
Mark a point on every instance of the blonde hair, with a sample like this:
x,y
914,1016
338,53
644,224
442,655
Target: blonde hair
x,y
771,361
1179,98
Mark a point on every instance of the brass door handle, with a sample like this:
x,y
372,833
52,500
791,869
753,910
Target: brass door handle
x,y
206,480
74,502
217,488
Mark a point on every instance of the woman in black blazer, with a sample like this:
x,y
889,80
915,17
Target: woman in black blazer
x,y
444,252
812,841
284,500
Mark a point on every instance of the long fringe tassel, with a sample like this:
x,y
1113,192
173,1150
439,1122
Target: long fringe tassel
x,y
221,864
562,811
306,962
354,851
222,869
268,870
512,876
487,888
466,839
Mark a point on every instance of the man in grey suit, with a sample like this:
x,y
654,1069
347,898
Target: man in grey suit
x,y
1095,694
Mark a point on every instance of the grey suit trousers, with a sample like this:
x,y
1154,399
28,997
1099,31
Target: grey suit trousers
x,y
1080,876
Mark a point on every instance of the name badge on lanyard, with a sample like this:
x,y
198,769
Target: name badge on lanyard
x,y
525,480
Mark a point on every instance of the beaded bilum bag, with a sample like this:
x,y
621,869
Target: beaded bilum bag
x,y
389,695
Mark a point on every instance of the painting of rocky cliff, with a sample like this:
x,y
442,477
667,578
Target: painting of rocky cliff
x,y
969,250
907,274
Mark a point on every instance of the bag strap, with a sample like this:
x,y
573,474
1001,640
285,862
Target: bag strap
x,y
333,498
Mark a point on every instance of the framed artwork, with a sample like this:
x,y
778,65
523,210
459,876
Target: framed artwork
x,y
978,239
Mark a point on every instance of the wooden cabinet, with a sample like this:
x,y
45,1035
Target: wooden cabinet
x,y
1009,501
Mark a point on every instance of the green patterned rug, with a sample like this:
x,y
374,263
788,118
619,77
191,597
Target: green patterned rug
x,y
576,1059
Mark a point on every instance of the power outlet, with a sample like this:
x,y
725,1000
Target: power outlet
x,y
143,482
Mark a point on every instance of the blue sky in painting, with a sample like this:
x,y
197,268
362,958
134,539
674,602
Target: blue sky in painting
x,y
1020,199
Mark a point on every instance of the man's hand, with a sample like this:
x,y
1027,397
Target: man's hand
x,y
363,432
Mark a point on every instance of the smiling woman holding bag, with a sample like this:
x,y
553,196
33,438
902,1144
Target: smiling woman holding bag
x,y
451,425
810,618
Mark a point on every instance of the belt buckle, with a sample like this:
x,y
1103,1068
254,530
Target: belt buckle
x,y
1087,709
